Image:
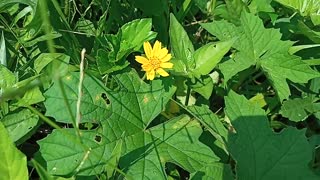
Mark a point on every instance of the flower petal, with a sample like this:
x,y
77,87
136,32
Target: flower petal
x,y
166,58
141,60
156,48
147,67
162,72
147,49
166,65
162,53
150,74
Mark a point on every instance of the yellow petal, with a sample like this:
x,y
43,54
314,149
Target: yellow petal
x,y
142,60
162,53
166,65
162,72
146,67
156,48
147,49
150,74
166,58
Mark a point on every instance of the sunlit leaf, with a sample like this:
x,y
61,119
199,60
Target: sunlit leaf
x,y
13,164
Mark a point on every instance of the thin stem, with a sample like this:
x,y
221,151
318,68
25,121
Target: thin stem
x,y
78,115
188,94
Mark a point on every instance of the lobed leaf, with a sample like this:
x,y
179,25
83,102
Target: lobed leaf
x,y
254,146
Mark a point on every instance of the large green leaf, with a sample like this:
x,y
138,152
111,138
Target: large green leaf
x,y
175,141
94,107
305,7
256,147
13,164
20,123
263,47
133,105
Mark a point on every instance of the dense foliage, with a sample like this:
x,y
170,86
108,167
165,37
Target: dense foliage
x,y
160,89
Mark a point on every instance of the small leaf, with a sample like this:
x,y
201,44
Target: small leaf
x,y
32,96
203,86
3,54
299,109
52,63
13,164
135,33
181,45
8,79
115,48
209,55
20,123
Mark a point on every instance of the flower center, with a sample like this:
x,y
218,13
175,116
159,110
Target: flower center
x,y
155,62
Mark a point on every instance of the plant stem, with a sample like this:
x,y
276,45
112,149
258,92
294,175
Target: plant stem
x,y
188,93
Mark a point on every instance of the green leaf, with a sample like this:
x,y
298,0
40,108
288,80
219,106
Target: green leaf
x,y
44,175
203,86
13,164
3,54
309,32
182,47
210,121
135,33
213,124
130,38
134,104
255,146
8,79
86,26
114,159
32,96
52,63
280,67
263,48
93,106
87,157
32,3
175,141
216,171
260,6
299,109
19,124
305,7
209,55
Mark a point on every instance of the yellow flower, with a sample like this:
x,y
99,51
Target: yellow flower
x,y
155,60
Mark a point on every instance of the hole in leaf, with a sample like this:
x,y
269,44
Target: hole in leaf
x,y
97,138
105,98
